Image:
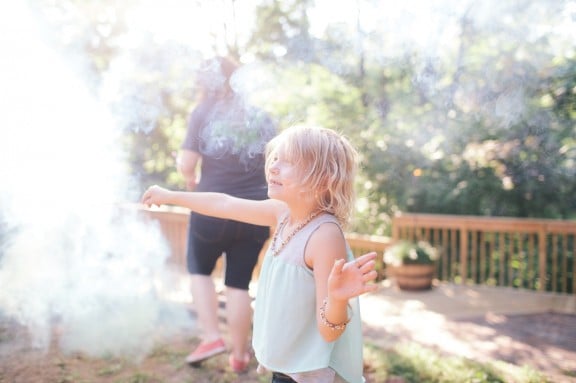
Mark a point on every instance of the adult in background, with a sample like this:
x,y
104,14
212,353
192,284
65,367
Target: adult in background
x,y
226,137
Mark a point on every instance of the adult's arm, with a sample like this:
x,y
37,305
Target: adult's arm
x,y
187,164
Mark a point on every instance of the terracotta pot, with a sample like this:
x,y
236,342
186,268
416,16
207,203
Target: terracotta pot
x,y
412,277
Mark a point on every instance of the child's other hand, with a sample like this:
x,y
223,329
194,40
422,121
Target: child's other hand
x,y
351,279
155,195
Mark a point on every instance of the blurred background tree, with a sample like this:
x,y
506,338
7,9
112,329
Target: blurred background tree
x,y
456,107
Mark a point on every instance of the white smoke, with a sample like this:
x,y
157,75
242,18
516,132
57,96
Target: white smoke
x,y
72,262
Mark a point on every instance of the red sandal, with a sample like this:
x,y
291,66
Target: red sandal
x,y
239,366
206,350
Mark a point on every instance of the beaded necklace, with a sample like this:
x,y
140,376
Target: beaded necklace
x,y
276,251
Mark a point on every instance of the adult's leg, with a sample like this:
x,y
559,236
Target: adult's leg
x,y
206,305
206,302
205,241
239,320
241,258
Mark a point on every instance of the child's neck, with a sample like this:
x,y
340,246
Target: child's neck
x,y
301,214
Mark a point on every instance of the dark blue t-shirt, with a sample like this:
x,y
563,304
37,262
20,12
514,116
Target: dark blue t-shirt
x,y
231,137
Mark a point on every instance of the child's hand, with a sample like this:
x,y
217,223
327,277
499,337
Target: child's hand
x,y
155,195
351,279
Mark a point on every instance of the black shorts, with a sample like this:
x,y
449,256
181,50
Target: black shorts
x,y
209,237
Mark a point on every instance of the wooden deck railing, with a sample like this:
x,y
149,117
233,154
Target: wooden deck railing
x,y
522,253
535,254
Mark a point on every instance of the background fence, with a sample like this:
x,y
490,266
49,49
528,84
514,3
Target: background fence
x,y
523,253
535,254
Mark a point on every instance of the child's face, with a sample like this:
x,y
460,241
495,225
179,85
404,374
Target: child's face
x,y
283,179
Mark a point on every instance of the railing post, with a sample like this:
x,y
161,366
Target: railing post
x,y
464,254
542,258
395,228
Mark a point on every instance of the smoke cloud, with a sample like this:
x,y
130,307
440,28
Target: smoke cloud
x,y
74,266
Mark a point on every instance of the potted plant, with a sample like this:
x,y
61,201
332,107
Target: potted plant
x,y
411,264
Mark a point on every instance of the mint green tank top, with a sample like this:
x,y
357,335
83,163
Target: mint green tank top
x,y
285,336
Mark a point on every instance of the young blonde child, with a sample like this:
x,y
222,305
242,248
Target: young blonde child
x,y
307,324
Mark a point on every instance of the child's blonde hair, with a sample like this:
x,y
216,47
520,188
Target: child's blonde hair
x,y
327,166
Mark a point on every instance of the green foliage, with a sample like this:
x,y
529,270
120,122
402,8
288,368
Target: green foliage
x,y
481,126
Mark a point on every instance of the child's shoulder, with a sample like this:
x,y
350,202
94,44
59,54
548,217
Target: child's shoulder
x,y
328,230
326,244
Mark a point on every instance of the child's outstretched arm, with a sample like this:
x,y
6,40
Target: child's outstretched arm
x,y
219,205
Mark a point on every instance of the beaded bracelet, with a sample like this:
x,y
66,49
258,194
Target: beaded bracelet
x,y
329,324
